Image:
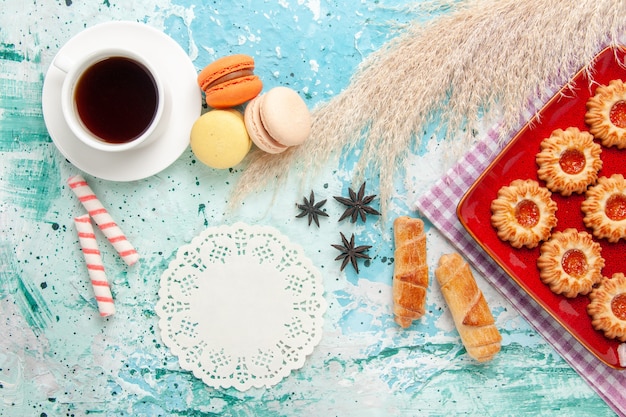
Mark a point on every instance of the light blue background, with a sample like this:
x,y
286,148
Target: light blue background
x,y
57,357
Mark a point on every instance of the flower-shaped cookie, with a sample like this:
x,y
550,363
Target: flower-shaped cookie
x,y
606,114
605,208
569,161
523,213
608,307
570,263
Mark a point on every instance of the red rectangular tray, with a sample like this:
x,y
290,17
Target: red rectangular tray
x,y
517,160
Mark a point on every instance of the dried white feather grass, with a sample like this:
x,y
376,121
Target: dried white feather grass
x,y
487,56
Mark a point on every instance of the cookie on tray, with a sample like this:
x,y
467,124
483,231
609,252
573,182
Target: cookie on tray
x,y
570,263
569,161
604,208
523,213
608,307
606,114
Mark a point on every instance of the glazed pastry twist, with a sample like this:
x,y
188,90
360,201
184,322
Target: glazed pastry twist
x,y
469,309
410,275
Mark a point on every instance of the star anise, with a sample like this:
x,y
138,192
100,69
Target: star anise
x,y
312,209
350,253
358,205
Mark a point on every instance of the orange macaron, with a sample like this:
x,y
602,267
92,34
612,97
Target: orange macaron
x,y
230,81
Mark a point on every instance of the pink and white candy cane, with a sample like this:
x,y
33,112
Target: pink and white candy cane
x,y
103,219
95,267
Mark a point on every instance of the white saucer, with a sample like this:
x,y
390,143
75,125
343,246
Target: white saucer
x,y
183,105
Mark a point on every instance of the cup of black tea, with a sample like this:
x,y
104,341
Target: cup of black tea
x,y
112,99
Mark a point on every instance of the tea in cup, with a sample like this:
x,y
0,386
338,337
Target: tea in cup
x,y
112,99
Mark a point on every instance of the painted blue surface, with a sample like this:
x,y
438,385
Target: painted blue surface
x,y
57,357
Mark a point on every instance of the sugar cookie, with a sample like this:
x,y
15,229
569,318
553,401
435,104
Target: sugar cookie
x,y
570,263
608,307
523,213
604,208
606,114
569,161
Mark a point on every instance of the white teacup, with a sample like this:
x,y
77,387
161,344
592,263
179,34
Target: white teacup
x,y
112,99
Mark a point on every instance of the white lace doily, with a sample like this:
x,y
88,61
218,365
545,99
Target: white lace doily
x,y
241,306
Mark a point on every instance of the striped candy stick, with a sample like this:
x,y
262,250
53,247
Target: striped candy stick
x,y
103,219
95,267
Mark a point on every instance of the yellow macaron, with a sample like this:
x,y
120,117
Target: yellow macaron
x,y
219,138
